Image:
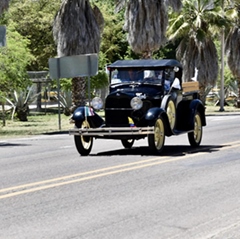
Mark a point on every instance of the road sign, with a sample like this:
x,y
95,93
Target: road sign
x,y
73,66
2,36
70,67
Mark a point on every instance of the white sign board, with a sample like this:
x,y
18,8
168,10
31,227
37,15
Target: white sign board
x,y
73,66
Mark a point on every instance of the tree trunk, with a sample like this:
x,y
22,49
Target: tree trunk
x,y
3,115
4,4
78,92
238,100
39,98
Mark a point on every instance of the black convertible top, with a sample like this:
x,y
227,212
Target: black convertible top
x,y
145,63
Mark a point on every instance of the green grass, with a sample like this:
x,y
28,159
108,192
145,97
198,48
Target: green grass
x,y
43,123
36,124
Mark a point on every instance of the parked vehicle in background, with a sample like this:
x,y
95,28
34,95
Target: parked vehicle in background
x,y
146,99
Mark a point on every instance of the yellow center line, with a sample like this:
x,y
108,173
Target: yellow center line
x,y
56,182
79,174
90,177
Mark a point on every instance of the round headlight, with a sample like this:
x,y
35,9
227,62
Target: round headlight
x,y
136,103
97,103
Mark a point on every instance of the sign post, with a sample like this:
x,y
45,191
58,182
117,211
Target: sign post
x,y
70,67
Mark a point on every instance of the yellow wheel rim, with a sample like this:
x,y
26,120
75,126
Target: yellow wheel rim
x,y
197,128
159,134
171,113
86,141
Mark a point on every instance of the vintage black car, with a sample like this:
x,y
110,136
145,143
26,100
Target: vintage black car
x,y
146,99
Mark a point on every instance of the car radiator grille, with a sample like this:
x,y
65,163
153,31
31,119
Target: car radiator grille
x,y
117,111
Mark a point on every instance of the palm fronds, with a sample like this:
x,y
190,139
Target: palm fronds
x,y
232,48
76,30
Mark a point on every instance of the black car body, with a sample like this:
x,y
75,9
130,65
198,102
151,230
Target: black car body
x,y
146,99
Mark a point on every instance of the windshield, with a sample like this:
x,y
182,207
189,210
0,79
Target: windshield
x,y
136,75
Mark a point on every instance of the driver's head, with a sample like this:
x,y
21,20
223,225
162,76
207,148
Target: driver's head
x,y
168,74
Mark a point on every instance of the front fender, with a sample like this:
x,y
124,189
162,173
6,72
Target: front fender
x,y
84,112
197,106
154,113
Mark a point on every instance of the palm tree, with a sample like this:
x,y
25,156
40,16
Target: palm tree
x,y
4,5
146,22
232,48
77,28
197,25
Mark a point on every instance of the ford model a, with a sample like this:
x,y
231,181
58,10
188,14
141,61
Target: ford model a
x,y
146,99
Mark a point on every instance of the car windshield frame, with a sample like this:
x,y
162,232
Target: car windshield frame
x,y
136,75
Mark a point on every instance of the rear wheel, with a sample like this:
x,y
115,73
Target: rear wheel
x,y
83,143
127,143
156,140
195,137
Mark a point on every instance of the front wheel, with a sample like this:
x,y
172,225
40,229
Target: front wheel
x,y
127,143
156,140
195,137
83,143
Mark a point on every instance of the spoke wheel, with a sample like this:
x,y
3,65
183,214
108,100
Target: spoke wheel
x,y
195,137
171,113
127,143
156,140
83,143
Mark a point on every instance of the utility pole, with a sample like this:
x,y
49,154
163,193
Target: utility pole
x,y
222,95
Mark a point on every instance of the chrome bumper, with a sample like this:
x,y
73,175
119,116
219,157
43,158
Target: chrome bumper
x,y
99,132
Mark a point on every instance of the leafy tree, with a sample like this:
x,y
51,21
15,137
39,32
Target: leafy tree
x,y
114,45
197,26
14,59
34,20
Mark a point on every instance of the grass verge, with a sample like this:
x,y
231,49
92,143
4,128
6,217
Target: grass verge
x,y
37,124
47,123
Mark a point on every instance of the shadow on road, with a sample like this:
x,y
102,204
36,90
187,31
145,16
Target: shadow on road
x,y
6,144
179,150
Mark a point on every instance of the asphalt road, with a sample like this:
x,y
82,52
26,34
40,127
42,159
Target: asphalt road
x,y
48,191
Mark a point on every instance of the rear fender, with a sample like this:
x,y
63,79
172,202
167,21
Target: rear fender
x,y
154,113
197,106
82,113
166,98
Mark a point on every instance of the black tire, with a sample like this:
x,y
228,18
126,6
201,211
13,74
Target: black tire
x,y
127,143
83,143
195,137
156,141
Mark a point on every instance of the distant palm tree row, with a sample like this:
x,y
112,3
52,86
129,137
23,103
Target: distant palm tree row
x,y
149,25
